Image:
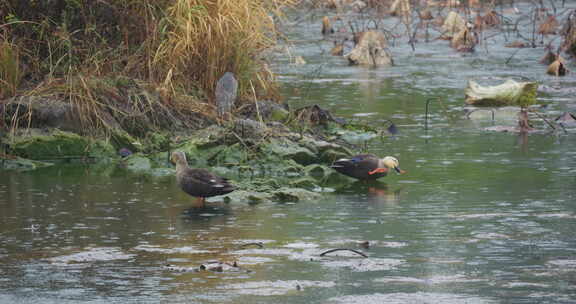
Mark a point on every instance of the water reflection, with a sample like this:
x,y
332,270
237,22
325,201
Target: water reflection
x,y
204,217
376,192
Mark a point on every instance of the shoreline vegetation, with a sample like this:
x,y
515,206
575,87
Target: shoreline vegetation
x,y
137,74
111,62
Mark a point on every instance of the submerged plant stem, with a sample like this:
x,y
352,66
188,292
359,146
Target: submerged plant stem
x,y
343,249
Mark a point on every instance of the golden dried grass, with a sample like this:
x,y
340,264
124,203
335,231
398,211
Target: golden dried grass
x,y
205,39
557,68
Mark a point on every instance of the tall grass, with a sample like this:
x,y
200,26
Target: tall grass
x,y
206,38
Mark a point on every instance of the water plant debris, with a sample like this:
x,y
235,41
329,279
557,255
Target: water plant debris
x,y
344,249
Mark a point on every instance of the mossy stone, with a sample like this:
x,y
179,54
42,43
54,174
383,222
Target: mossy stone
x,y
330,155
317,171
287,149
137,162
244,196
225,155
303,182
320,146
286,194
209,137
60,145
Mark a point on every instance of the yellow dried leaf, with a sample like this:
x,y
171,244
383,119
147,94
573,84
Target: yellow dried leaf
x,y
557,68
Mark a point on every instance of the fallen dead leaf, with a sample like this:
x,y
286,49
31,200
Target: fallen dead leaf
x,y
326,26
516,44
557,68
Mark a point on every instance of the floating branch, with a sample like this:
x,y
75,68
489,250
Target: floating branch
x,y
545,120
343,249
257,244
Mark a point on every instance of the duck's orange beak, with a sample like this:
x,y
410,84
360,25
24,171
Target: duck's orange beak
x,y
399,171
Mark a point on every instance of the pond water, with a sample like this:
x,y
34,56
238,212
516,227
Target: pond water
x,y
481,217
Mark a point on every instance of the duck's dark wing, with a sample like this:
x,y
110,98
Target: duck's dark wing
x,y
358,166
202,183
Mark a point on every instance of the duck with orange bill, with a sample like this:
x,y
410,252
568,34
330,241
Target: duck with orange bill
x,y
367,166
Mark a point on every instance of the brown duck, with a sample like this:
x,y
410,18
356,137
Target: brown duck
x,y
198,182
367,166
